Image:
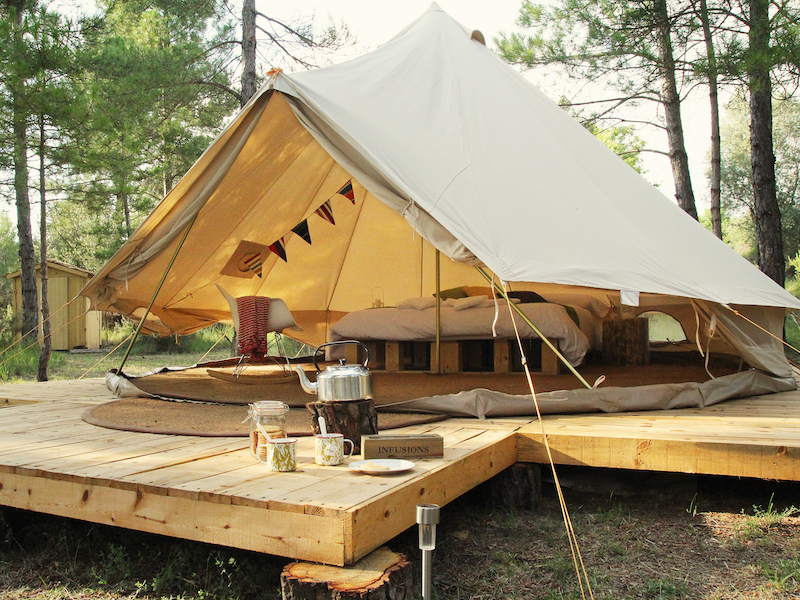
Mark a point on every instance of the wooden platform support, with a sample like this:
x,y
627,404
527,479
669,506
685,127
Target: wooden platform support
x,y
551,364
453,357
502,356
381,575
211,490
519,487
393,362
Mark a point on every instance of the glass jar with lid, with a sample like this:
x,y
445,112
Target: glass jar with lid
x,y
267,421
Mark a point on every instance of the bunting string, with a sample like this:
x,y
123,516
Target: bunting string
x,y
254,263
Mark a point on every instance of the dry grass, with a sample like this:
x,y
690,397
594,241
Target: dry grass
x,y
642,537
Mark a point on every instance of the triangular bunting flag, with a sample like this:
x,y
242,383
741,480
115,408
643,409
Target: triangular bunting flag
x,y
278,249
347,191
301,229
326,212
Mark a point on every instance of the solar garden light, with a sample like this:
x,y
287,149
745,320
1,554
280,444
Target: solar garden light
x,y
427,518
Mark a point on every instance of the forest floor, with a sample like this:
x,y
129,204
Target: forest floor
x,y
641,536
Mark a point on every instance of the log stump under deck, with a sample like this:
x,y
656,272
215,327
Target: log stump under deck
x,y
381,575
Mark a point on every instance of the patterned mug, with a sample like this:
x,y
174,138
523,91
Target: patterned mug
x,y
281,454
329,448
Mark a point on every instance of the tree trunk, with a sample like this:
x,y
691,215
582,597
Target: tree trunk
x,y
381,575
248,50
713,96
44,355
672,111
519,487
27,260
122,196
762,158
351,418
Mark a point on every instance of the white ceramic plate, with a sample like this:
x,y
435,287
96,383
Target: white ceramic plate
x,y
393,465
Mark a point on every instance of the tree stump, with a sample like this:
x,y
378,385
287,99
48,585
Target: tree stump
x,y
381,575
626,342
519,487
352,418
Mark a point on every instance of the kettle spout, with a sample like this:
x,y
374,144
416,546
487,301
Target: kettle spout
x,y
308,386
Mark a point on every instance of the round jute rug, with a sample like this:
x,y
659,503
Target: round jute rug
x,y
149,415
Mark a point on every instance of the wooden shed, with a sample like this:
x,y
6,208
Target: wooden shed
x,y
71,326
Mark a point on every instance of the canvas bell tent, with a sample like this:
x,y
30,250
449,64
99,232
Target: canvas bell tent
x,y
332,187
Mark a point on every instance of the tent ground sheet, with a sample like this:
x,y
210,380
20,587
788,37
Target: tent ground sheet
x,y
393,388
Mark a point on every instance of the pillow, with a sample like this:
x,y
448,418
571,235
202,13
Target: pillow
x,y
468,302
418,303
455,292
527,297
489,302
477,290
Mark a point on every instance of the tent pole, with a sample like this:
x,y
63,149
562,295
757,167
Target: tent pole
x,y
438,345
155,294
525,318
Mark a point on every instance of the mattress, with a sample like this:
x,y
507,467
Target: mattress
x,y
410,324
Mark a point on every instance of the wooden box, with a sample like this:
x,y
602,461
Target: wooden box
x,y
402,446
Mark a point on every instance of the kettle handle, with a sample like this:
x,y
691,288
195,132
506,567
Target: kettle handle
x,y
341,342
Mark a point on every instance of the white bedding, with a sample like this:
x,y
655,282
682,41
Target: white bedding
x,y
397,324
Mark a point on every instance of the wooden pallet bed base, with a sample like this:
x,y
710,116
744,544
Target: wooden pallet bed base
x,y
389,356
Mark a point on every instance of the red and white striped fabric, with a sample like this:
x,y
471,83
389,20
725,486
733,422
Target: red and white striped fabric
x,y
253,324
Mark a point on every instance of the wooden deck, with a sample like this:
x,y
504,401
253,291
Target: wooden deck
x,y
211,490
751,437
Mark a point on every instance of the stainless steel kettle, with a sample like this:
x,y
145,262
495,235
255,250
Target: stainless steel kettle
x,y
339,382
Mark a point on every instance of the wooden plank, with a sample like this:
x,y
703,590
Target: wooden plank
x,y
746,430
173,475
62,457
91,389
708,458
172,455
551,364
502,356
393,360
351,488
294,535
388,515
451,357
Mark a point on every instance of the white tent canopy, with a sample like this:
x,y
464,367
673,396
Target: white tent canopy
x,y
436,132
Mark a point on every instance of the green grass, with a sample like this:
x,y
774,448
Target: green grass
x,y
19,364
663,327
758,525
785,575
665,589
792,332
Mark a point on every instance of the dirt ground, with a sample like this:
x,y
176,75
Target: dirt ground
x,y
640,536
